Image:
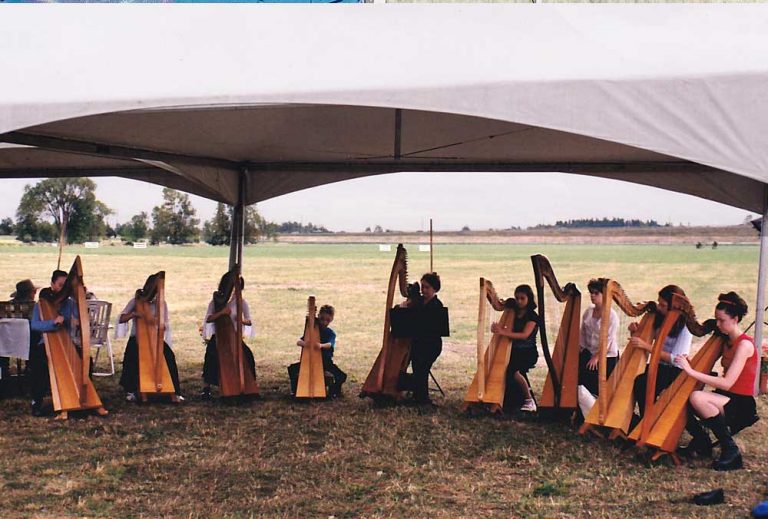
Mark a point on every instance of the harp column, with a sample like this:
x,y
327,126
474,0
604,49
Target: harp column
x,y
237,236
761,279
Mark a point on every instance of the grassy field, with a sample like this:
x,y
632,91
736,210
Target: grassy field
x,y
275,457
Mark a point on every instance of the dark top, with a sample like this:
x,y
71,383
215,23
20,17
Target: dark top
x,y
326,335
432,321
519,325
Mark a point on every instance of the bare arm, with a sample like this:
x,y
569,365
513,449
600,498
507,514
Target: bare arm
x,y
216,315
745,351
502,330
124,318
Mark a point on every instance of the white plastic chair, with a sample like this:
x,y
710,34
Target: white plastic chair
x,y
99,313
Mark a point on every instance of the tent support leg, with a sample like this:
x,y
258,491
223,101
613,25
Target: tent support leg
x,y
760,305
238,223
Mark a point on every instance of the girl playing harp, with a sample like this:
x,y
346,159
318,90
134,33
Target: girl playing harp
x,y
732,404
524,351
677,342
589,357
58,316
228,309
130,378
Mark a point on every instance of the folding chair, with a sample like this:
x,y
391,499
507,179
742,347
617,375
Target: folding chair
x,y
99,313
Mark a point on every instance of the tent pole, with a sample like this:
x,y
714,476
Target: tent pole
x,y
760,305
238,223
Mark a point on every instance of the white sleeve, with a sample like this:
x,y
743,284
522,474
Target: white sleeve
x,y
583,330
208,328
682,344
122,329
248,331
167,337
613,334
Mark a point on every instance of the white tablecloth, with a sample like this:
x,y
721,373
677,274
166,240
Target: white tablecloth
x,y
14,338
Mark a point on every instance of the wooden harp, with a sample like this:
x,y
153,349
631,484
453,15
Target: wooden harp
x,y
563,363
68,365
395,351
154,375
235,378
615,403
664,420
311,382
490,382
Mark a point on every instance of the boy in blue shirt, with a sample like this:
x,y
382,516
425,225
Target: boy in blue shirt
x,y
327,345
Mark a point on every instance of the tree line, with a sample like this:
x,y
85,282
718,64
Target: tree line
x,y
599,222
71,205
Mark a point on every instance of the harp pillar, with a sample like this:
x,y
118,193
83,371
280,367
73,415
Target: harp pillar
x,y
237,236
760,305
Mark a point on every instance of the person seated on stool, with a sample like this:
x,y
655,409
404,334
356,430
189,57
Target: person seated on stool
x,y
130,376
589,341
25,293
38,358
211,361
732,404
327,346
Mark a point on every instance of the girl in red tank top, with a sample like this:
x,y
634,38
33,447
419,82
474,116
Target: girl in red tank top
x,y
732,404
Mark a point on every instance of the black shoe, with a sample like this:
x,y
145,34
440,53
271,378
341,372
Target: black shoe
x,y
37,408
205,394
713,497
729,461
696,449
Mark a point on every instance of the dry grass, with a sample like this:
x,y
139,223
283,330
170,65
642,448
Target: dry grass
x,y
275,457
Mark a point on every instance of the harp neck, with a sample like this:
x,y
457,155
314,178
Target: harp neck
x,y
226,288
684,306
542,270
614,292
491,296
398,278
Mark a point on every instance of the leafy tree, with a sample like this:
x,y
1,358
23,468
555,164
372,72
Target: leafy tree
x,y
6,226
218,230
87,221
69,202
28,229
174,221
378,229
136,229
256,227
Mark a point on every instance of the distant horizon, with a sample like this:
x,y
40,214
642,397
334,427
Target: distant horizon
x,y
406,202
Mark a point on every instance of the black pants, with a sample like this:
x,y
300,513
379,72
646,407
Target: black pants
x,y
424,353
5,376
522,359
664,378
39,380
339,377
591,379
211,362
129,379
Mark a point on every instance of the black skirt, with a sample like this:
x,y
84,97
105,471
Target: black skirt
x,y
740,411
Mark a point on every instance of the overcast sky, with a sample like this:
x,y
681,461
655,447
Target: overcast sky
x,y
406,201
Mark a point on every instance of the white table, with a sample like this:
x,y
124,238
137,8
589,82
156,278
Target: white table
x,y
14,338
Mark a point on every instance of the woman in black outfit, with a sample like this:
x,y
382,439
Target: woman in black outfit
x,y
524,352
427,346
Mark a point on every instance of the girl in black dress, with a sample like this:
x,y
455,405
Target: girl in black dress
x,y
524,351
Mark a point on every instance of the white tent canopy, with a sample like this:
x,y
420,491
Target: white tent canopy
x,y
282,98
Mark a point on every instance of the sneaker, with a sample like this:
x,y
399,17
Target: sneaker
x,y
130,397
179,398
37,408
529,406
